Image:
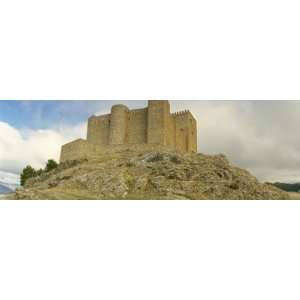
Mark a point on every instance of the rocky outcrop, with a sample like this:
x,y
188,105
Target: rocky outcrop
x,y
149,175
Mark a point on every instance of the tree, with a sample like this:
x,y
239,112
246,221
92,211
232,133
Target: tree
x,y
39,172
27,173
51,164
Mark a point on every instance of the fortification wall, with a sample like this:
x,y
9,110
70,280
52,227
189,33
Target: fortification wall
x,y
78,149
98,129
137,126
122,126
82,149
185,132
170,132
158,113
180,135
118,125
193,147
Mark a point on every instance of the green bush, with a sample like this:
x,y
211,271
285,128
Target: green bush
x,y
39,172
51,165
155,157
28,172
175,159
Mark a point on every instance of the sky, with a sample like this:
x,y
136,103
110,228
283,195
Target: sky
x,y
260,136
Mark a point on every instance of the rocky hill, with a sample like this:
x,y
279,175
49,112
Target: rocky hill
x,y
148,175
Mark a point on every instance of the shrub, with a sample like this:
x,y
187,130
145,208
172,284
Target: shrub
x,y
51,165
129,164
39,172
28,172
175,159
155,157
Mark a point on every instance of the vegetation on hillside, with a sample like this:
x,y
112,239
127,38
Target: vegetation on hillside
x,y
51,165
148,175
288,187
29,172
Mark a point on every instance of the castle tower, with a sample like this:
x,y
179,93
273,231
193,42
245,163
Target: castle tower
x,y
158,114
186,132
118,124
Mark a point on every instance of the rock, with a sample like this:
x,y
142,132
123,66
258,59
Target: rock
x,y
149,175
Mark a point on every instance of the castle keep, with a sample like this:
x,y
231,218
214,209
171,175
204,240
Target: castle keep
x,y
153,127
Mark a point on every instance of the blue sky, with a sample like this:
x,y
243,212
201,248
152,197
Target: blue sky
x,y
45,114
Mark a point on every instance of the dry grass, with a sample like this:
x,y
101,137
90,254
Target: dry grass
x,y
294,195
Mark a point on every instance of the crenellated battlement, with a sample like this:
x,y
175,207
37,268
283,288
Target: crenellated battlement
x,y
152,125
181,113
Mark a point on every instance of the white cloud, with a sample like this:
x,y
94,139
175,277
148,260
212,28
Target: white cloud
x,y
260,136
19,148
9,180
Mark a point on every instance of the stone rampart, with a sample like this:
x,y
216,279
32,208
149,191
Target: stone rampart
x,y
82,149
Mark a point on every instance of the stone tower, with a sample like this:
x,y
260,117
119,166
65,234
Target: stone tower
x,y
118,125
158,113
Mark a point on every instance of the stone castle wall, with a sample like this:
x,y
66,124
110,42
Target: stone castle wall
x,y
137,126
145,128
82,149
119,127
98,129
185,132
78,149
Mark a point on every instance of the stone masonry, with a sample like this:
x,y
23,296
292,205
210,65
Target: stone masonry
x,y
150,128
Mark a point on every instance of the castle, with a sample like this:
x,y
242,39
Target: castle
x,y
153,127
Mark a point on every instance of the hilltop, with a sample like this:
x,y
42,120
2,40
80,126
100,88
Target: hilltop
x,y
148,175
